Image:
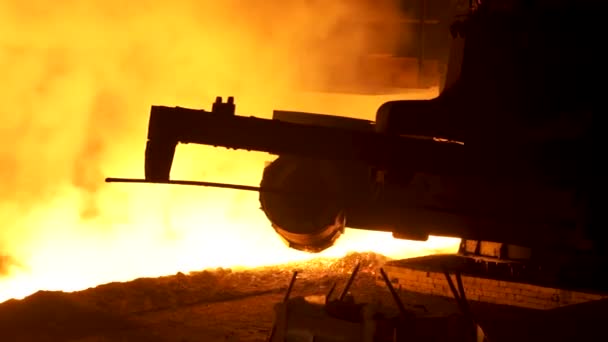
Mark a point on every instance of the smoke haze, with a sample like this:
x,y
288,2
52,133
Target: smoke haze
x,y
79,78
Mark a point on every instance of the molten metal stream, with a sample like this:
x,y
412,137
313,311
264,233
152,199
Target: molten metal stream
x,y
82,77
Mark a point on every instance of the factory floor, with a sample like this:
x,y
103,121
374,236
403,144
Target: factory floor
x,y
231,305
214,305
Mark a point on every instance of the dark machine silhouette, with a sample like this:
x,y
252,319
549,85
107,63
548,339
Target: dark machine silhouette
x,y
507,153
503,154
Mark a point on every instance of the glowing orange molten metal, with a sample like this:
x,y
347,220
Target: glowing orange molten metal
x,y
79,78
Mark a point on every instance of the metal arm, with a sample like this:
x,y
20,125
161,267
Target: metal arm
x,y
169,126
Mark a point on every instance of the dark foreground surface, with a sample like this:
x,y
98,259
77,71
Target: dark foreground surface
x,y
225,305
217,305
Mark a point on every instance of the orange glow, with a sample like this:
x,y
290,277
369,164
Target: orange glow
x,y
79,78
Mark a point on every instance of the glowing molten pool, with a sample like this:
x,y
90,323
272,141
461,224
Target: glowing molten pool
x,y
79,78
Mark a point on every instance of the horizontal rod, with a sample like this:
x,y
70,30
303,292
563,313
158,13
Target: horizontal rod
x,y
281,192
195,183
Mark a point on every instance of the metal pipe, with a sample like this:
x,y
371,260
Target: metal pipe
x,y
293,280
454,291
222,186
461,299
393,293
331,291
196,183
463,296
350,281
273,330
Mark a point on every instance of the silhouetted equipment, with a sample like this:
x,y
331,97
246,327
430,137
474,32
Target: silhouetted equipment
x,y
273,330
393,292
520,185
350,281
314,318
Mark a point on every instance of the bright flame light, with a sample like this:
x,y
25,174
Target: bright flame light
x,y
79,78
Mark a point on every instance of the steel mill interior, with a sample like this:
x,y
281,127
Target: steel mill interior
x,y
303,170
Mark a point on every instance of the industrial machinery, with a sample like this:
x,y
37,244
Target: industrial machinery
x,y
325,318
503,157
